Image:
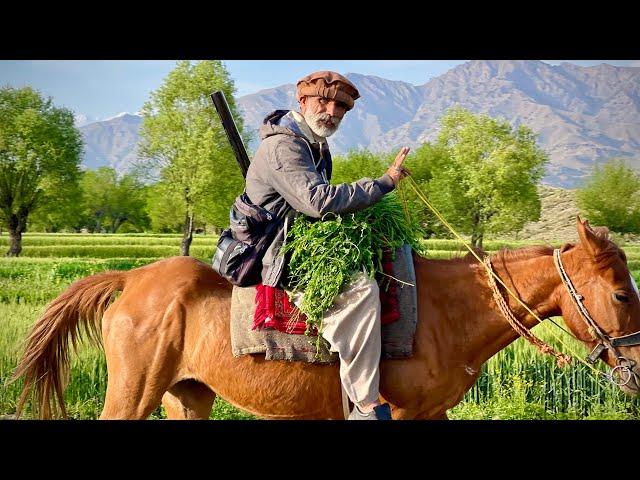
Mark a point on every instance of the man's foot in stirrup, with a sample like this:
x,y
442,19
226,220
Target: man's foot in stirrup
x,y
380,412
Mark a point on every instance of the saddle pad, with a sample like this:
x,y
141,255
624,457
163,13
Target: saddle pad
x,y
397,337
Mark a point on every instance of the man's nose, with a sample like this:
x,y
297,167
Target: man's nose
x,y
335,110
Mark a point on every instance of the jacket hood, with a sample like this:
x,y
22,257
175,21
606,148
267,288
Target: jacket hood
x,y
274,124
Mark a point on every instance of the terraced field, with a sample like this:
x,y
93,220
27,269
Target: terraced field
x,y
517,383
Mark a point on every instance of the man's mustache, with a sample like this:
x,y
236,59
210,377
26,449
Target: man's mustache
x,y
325,117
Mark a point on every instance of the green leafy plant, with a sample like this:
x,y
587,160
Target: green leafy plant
x,y
326,252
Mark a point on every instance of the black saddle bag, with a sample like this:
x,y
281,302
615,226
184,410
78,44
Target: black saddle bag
x,y
240,249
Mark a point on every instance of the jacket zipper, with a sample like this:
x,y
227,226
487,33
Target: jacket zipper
x,y
323,173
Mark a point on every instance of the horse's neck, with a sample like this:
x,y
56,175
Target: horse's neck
x,y
470,311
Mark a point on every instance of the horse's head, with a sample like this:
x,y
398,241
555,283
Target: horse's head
x,y
606,296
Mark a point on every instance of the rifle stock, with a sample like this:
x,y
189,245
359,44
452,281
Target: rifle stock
x,y
230,128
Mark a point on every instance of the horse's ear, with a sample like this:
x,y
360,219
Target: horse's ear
x,y
588,239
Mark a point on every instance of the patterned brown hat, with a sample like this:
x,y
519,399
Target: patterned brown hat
x,y
329,85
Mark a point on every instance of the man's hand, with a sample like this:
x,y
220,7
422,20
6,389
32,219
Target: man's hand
x,y
396,171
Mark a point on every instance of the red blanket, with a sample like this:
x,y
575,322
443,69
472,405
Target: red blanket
x,y
274,310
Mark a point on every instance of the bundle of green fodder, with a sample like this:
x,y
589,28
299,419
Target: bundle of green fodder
x,y
326,253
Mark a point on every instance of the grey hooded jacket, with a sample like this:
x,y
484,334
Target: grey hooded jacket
x,y
289,175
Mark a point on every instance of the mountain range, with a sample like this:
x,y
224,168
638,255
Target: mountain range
x,y
583,116
111,142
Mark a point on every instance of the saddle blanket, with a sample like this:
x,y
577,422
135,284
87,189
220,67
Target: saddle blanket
x,y
274,309
397,336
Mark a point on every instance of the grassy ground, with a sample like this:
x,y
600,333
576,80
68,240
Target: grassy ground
x,y
518,383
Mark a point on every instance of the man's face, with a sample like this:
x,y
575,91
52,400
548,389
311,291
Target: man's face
x,y
323,115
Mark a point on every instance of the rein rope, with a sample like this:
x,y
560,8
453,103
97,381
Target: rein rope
x,y
493,276
522,330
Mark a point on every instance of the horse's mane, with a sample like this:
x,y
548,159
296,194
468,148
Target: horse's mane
x,y
608,254
504,254
523,253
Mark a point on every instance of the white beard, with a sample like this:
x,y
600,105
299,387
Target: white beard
x,y
317,125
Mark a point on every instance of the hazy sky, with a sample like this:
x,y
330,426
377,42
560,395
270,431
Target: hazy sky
x,y
99,89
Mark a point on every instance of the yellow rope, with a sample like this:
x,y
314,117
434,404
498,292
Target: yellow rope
x,y
422,197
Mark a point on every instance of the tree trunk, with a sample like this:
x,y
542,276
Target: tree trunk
x,y
476,239
476,232
117,223
187,236
17,225
98,228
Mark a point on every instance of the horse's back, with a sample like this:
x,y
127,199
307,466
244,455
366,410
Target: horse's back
x,y
179,273
153,289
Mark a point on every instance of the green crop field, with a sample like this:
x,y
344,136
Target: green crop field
x,y
517,383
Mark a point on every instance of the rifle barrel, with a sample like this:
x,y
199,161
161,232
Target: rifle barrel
x,y
222,107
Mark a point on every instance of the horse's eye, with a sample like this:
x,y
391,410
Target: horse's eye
x,y
621,297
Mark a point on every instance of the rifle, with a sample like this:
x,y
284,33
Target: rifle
x,y
222,107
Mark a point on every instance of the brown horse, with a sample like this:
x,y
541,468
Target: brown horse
x,y
166,337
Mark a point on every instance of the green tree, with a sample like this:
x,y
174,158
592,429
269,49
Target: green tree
x,y
63,210
40,154
183,141
611,197
484,174
357,164
166,208
110,201
420,162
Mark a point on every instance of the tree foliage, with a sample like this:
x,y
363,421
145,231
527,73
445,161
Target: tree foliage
x,y
611,197
166,208
110,201
484,174
40,154
63,210
185,145
357,164
420,163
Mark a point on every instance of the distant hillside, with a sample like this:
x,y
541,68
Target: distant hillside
x,y
583,115
112,142
557,219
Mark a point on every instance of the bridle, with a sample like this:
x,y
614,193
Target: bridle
x,y
624,365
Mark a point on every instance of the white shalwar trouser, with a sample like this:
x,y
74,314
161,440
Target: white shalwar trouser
x,y
352,328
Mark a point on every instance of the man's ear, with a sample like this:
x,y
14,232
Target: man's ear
x,y
303,104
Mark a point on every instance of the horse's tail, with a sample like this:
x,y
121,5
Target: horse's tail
x,y
45,362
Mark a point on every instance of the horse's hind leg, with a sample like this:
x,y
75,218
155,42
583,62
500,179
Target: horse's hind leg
x,y
131,397
188,400
141,365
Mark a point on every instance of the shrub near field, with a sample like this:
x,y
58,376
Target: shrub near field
x,y
518,382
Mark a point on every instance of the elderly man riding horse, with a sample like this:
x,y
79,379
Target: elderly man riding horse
x,y
290,175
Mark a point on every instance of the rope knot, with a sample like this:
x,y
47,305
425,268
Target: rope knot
x,y
545,348
563,360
